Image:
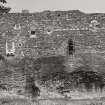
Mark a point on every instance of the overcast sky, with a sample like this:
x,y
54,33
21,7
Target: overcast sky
x,y
87,6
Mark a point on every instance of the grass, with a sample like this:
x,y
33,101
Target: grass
x,y
56,101
16,100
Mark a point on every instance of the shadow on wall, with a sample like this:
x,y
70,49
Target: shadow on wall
x,y
90,80
53,72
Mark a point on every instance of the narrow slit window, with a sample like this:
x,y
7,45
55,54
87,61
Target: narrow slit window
x,y
71,48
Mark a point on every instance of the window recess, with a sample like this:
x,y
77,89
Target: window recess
x,y
10,48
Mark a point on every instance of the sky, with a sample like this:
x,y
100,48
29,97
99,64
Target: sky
x,y
87,6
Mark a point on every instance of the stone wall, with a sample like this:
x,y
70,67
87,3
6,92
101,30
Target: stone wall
x,y
43,34
47,34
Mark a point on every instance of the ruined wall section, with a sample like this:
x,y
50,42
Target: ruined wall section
x,y
47,33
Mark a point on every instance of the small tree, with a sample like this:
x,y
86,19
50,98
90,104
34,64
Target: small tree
x,y
4,9
3,1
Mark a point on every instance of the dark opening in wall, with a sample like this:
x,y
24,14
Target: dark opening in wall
x,y
20,44
10,54
59,15
71,48
48,30
32,32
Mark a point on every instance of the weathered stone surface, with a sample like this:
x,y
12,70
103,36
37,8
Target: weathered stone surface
x,y
47,34
51,28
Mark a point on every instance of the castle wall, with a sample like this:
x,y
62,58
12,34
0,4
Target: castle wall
x,y
42,34
47,33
